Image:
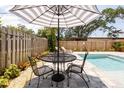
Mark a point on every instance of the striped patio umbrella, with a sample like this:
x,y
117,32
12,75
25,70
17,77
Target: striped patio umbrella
x,y
57,16
48,15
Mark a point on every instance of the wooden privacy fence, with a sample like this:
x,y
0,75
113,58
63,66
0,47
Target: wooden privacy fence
x,y
16,46
92,44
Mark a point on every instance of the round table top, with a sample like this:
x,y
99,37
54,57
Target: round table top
x,y
63,57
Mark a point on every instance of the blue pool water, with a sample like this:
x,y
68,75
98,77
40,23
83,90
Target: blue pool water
x,y
106,62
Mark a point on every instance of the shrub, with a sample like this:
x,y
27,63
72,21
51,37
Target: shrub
x,y
119,46
122,48
12,72
2,70
51,42
4,82
23,65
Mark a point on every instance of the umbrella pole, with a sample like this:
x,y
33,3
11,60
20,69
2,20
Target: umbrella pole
x,y
58,76
58,43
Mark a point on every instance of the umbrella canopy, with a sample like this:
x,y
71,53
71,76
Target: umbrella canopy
x,y
47,15
57,16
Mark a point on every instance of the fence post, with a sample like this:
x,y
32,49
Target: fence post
x,y
20,49
3,47
23,46
17,48
8,47
26,46
29,45
13,40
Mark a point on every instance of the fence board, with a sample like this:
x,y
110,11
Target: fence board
x,y
13,47
2,51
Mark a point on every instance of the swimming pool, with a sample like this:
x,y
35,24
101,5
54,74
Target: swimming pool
x,y
112,66
106,62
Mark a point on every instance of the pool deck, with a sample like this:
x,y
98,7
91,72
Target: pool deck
x,y
98,79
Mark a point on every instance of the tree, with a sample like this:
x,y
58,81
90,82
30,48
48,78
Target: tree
x,y
68,32
85,31
109,16
52,39
50,34
30,31
43,32
24,29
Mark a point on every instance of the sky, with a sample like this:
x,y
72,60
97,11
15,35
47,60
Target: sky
x,y
11,19
119,23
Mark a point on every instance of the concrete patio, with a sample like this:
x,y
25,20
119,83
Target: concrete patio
x,y
97,80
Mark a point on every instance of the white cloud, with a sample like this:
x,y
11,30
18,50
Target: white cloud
x,y
5,8
6,17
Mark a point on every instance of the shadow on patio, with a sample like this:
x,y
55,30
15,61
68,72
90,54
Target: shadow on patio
x,y
75,82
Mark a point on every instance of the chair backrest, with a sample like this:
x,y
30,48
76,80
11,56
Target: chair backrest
x,y
84,60
33,64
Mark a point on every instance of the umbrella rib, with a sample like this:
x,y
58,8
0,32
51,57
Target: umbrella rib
x,y
65,20
75,16
98,10
52,18
86,10
53,12
41,14
64,16
25,8
65,10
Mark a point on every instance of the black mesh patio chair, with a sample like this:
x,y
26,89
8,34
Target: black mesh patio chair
x,y
40,71
78,69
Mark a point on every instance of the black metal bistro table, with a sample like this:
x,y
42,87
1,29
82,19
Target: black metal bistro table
x,y
63,58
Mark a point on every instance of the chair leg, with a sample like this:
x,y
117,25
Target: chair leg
x,y
38,81
86,76
84,80
81,75
51,83
51,78
68,80
30,78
